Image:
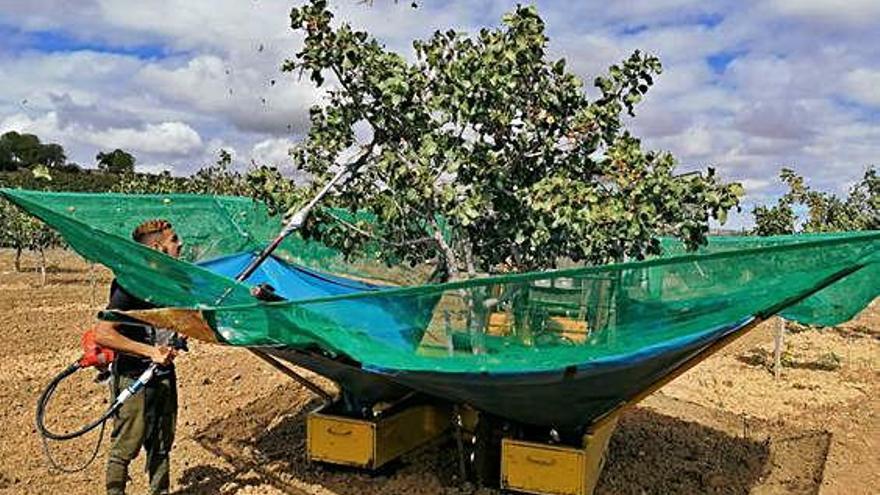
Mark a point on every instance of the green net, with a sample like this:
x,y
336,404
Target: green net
x,y
558,319
99,226
508,324
210,226
836,304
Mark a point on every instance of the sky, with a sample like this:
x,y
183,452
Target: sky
x,y
747,87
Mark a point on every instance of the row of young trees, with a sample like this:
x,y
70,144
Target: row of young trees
x,y
261,182
26,161
21,232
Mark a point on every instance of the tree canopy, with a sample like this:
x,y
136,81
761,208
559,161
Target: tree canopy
x,y
115,162
487,138
825,212
26,150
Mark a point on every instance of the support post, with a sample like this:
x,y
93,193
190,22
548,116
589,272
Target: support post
x,y
92,284
778,341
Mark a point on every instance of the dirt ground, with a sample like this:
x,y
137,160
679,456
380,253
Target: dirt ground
x,y
726,426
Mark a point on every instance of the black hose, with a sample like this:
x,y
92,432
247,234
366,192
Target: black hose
x,y
47,435
47,395
81,467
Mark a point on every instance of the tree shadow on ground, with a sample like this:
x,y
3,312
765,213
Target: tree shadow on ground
x,y
52,269
77,281
210,479
762,358
649,453
655,453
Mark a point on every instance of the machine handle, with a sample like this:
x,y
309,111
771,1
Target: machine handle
x,y
338,433
540,462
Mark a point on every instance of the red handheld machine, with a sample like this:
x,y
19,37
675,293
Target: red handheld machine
x,y
93,354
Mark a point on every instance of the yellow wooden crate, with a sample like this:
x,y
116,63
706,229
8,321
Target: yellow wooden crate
x,y
570,328
543,469
372,443
500,324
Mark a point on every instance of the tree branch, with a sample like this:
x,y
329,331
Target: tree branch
x,y
346,223
360,103
448,253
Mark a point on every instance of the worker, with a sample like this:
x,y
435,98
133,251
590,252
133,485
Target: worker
x,y
147,419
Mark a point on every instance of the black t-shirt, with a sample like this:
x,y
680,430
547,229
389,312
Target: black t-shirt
x,y
128,364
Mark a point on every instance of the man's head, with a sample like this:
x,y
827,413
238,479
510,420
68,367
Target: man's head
x,y
158,235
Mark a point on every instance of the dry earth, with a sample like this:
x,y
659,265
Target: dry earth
x,y
727,426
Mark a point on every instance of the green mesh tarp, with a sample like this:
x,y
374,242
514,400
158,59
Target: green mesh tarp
x,y
525,322
833,305
579,342
210,226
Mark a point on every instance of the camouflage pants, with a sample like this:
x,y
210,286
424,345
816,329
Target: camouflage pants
x,y
147,420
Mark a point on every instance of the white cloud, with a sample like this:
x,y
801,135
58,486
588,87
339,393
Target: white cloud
x,y
175,138
774,120
274,152
166,138
673,44
697,142
45,126
852,13
755,186
247,97
659,11
30,78
864,86
154,168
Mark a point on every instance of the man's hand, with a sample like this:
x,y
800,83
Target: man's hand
x,y
265,292
163,355
106,335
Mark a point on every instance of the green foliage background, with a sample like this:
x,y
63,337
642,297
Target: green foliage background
x,y
825,212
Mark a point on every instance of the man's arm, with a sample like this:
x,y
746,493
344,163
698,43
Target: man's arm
x,y
106,335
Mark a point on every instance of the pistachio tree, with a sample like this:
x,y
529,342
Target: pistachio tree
x,y
780,219
825,212
485,154
22,232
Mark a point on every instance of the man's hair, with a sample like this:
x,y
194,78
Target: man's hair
x,y
150,230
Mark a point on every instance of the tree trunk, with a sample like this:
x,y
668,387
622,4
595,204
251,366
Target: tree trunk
x,y
18,259
474,316
469,258
42,266
448,254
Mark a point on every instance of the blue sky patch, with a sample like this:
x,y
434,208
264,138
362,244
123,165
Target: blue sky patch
x,y
61,42
719,61
710,20
632,30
